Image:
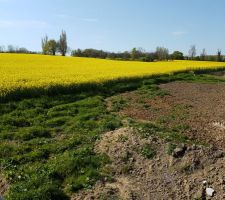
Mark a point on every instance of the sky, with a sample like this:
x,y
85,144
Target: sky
x,y
115,25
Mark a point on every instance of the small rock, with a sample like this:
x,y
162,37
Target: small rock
x,y
210,192
204,182
105,179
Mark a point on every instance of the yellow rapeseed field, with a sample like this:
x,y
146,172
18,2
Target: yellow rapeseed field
x,y
20,71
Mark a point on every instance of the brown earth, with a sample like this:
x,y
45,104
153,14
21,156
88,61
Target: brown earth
x,y
161,178
201,107
199,111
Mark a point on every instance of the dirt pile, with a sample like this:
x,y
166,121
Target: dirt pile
x,y
161,177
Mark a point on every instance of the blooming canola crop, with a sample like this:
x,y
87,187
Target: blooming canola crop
x,y
20,71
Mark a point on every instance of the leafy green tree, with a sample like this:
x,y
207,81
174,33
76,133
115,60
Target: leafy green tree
x,y
134,54
52,47
177,55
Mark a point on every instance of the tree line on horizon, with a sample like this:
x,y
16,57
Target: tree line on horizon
x,y
139,54
53,47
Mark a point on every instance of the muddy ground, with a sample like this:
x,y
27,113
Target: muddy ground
x,y
198,111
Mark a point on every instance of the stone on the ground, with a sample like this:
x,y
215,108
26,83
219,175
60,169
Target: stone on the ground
x,y
204,182
210,192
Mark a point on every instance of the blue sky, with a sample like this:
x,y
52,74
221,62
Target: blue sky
x,y
115,25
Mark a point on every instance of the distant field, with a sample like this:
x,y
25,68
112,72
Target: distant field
x,y
21,72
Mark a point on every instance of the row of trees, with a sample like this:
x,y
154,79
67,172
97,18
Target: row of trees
x,y
140,54
203,55
51,47
14,49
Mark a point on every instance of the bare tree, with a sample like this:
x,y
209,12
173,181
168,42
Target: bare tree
x,y
203,54
22,50
11,48
219,53
44,44
62,44
192,52
2,48
162,53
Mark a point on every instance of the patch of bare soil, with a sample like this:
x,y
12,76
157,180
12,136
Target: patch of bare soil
x,y
163,177
207,110
198,110
201,107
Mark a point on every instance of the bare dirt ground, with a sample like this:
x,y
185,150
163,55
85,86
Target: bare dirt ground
x,y
198,107
163,177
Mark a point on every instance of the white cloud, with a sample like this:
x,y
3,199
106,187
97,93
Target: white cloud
x,y
179,33
22,24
